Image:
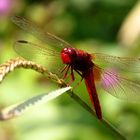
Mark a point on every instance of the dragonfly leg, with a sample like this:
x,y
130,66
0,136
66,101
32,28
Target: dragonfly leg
x,y
66,69
72,78
78,83
72,74
79,73
80,80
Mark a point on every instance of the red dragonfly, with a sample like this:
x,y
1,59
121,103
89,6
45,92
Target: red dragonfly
x,y
104,69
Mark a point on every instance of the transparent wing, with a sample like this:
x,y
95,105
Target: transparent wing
x,y
119,63
39,33
123,88
39,54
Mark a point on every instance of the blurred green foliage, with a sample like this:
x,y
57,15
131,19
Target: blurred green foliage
x,y
92,25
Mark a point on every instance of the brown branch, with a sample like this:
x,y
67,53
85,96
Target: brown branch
x,y
21,63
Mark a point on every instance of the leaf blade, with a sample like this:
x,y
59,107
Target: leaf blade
x,y
17,109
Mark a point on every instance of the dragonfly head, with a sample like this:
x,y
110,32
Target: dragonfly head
x,y
68,55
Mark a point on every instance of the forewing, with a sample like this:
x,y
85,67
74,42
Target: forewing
x,y
123,88
39,54
46,37
119,63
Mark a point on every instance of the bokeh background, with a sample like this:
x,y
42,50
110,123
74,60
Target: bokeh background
x,y
106,26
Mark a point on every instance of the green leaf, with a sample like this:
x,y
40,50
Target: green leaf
x,y
17,109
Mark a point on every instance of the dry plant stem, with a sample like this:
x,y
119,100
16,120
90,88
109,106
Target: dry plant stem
x,y
21,63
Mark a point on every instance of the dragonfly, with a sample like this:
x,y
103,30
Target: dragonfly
x,y
104,70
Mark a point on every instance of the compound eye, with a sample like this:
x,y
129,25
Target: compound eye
x,y
72,52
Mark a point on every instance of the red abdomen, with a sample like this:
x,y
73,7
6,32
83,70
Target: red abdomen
x,y
90,85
